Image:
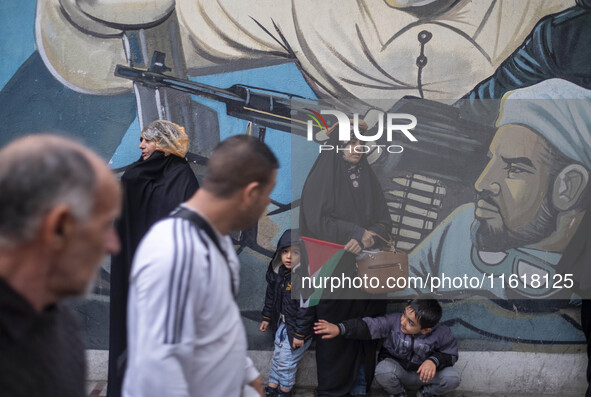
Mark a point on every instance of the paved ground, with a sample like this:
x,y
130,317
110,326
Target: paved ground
x,y
99,389
308,393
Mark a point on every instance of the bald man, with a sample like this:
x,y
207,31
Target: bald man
x,y
58,202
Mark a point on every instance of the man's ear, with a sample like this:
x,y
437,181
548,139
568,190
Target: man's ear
x,y
57,226
426,330
250,193
568,186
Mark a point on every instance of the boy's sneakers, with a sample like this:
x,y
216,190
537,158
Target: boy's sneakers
x,y
421,393
275,392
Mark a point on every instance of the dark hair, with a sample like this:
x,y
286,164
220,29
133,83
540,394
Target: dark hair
x,y
236,162
427,311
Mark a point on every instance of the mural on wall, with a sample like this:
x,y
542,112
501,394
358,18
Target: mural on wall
x,y
364,56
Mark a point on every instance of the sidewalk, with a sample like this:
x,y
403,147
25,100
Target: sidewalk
x,y
99,389
496,374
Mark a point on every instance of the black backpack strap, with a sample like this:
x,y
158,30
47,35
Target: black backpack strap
x,y
200,223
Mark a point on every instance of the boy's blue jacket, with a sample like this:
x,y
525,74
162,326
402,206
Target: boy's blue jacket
x,y
278,299
410,351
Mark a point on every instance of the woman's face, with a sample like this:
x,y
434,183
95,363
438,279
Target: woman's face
x,y
349,153
148,147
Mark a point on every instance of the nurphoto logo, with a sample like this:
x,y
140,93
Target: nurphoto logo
x,y
394,122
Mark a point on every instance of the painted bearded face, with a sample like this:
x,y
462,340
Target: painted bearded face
x,y
513,207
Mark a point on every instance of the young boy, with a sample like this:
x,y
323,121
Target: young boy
x,y
293,323
417,351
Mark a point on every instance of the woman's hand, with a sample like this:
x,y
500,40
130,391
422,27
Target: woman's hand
x,y
353,247
367,239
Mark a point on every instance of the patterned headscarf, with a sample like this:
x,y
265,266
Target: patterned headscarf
x,y
170,138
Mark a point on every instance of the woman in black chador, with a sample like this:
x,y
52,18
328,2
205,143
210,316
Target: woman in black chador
x,y
152,187
342,202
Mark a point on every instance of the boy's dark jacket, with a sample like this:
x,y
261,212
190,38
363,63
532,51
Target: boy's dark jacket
x,y
278,300
410,351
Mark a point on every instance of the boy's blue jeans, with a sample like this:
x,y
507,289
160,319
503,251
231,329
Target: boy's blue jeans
x,y
394,378
285,359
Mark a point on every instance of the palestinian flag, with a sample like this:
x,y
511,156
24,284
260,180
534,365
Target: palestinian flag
x,y
323,258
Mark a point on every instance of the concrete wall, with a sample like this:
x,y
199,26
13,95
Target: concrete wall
x,y
56,75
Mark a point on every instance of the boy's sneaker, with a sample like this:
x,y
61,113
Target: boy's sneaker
x,y
421,393
403,394
283,393
271,391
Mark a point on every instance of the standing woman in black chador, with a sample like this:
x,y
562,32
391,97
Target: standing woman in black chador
x,y
153,186
343,203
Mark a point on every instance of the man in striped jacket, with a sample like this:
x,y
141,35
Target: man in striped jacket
x,y
185,334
